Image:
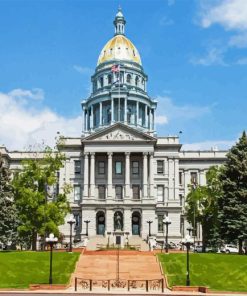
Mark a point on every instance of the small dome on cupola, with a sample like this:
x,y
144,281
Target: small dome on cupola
x,y
119,48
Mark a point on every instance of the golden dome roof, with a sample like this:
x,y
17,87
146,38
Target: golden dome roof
x,y
119,48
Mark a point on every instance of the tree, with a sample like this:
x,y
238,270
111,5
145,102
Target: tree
x,y
202,206
233,202
8,213
40,206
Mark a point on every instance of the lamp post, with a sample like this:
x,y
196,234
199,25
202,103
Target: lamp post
x,y
187,241
51,241
87,221
149,227
71,221
167,222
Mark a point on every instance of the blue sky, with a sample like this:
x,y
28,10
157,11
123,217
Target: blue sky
x,y
194,52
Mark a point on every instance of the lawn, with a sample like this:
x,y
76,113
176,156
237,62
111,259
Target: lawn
x,y
19,269
217,271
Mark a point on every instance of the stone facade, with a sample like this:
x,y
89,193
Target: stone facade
x,y
122,173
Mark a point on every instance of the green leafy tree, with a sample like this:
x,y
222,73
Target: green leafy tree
x,y
233,202
40,210
8,213
202,207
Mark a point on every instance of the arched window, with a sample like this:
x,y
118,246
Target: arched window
x,y
101,81
137,80
128,78
109,79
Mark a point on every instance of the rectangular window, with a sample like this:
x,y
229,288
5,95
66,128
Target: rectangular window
x,y
136,191
119,192
118,167
160,193
135,167
181,198
160,223
101,167
77,164
180,178
77,192
193,178
101,189
160,167
77,220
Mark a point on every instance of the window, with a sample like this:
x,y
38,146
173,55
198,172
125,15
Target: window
x,y
101,191
101,81
160,167
160,193
193,177
180,178
101,167
77,164
77,220
135,167
109,79
77,192
128,78
119,192
137,80
181,199
136,191
118,167
160,223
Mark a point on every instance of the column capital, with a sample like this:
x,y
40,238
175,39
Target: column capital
x,y
92,154
86,154
109,154
127,154
145,154
151,154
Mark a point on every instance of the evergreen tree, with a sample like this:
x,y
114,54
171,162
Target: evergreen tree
x,y
233,202
202,207
8,214
40,210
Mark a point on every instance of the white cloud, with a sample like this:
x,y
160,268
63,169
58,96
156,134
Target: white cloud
x,y
161,119
174,112
214,56
23,124
239,40
166,21
34,94
242,61
83,70
209,145
231,14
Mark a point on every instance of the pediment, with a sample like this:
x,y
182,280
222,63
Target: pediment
x,y
119,132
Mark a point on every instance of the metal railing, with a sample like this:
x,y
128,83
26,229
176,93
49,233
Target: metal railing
x,y
112,284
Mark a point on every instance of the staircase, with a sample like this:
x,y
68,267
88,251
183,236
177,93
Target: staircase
x,y
95,241
136,240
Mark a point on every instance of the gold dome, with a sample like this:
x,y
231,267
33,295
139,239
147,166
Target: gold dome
x,y
119,48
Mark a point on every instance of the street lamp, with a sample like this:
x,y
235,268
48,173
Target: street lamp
x,y
149,227
87,221
190,229
51,241
167,222
187,241
71,221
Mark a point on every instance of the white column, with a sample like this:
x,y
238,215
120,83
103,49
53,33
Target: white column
x,y
127,174
154,128
85,120
151,175
176,179
145,174
202,178
112,111
170,179
100,113
91,119
109,177
137,113
146,115
125,110
92,174
85,174
150,119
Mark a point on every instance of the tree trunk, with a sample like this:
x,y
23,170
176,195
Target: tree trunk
x,y
203,238
240,246
34,241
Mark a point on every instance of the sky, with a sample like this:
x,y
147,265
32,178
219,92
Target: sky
x,y
193,51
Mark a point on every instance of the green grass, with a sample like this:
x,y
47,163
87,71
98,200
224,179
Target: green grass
x,y
19,269
221,272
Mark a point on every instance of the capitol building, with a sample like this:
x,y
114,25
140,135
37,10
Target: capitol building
x,y
124,176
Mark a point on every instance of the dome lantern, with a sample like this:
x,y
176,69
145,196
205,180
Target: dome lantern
x,y
119,23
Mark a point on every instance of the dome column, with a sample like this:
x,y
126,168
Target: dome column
x,y
137,113
100,113
146,115
112,110
125,110
91,118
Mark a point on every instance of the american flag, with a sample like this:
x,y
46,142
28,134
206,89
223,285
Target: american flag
x,y
115,68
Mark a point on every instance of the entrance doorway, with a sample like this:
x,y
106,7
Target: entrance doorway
x,y
136,223
100,223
